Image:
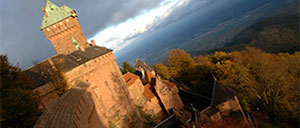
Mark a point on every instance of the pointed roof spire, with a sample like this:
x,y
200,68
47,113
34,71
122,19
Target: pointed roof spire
x,y
54,14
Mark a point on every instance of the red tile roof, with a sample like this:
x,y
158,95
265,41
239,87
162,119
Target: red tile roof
x,y
130,78
147,92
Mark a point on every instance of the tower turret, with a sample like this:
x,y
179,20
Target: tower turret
x,y
60,25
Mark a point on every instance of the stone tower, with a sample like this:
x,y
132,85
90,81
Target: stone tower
x,y
60,25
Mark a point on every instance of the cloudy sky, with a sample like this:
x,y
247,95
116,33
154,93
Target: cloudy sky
x,y
111,23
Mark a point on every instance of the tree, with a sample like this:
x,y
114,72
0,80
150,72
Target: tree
x,y
200,80
19,105
202,60
162,71
59,81
179,62
126,67
263,80
222,64
54,76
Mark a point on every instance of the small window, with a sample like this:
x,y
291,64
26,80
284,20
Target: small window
x,y
67,20
54,26
48,29
60,23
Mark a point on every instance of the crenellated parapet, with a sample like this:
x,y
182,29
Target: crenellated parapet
x,y
60,25
107,89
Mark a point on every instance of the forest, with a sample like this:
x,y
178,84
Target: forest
x,y
267,84
273,35
20,103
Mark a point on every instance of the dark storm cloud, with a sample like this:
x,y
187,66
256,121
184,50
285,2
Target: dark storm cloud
x,y
95,15
21,38
185,10
182,9
20,21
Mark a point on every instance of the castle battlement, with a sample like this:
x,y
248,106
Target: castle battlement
x,y
60,25
99,95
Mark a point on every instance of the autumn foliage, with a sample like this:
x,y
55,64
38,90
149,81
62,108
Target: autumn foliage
x,y
162,70
19,105
265,82
179,62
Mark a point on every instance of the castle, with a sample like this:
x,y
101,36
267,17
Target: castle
x,y
99,95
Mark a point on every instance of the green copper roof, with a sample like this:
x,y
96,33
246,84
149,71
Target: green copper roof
x,y
55,14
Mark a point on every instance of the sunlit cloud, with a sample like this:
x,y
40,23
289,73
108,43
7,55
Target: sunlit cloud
x,y
121,35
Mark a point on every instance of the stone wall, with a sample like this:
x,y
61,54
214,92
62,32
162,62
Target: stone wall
x,y
101,97
136,90
230,105
152,107
216,117
47,95
75,109
168,96
106,94
60,35
108,85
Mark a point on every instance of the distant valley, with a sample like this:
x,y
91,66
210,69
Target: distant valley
x,y
203,31
273,35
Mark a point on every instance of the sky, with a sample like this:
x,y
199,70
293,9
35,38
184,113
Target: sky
x,y
111,23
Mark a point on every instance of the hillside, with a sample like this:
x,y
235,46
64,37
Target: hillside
x,y
274,34
266,84
200,32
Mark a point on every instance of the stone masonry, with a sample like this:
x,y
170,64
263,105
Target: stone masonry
x,y
99,96
60,25
97,68
98,92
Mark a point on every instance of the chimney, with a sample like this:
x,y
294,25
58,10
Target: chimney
x,y
93,43
45,13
